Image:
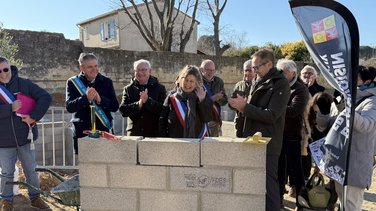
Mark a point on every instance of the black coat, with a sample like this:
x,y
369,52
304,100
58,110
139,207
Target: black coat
x,y
266,109
169,124
144,121
80,106
12,129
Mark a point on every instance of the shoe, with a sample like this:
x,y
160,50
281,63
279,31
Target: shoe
x,y
292,192
7,206
39,203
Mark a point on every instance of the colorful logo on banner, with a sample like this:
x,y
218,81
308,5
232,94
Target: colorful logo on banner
x,y
324,30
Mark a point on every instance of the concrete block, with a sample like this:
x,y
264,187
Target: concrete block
x,y
221,151
168,201
200,179
93,175
148,177
108,199
169,151
226,202
104,150
249,181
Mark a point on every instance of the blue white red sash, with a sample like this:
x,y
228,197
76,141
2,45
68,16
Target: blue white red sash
x,y
180,110
81,88
215,110
6,96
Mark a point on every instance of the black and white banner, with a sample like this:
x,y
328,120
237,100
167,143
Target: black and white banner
x,y
331,35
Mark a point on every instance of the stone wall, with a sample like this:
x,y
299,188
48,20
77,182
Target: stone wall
x,y
49,59
165,174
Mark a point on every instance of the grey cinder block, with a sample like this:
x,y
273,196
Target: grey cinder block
x,y
168,201
200,179
132,176
226,202
169,151
107,151
222,151
249,181
93,175
108,199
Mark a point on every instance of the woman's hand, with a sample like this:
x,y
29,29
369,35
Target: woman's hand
x,y
200,92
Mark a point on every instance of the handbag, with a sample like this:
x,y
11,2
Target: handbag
x,y
315,195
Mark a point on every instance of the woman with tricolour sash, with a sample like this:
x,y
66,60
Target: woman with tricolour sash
x,y
186,110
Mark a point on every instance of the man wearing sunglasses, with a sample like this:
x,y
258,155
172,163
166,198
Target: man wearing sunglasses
x,y
17,132
264,112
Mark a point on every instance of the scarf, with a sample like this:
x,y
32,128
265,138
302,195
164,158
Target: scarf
x,y
190,114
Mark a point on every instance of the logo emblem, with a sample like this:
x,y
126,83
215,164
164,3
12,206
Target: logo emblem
x,y
324,30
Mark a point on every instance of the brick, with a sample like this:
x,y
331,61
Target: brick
x,y
226,202
93,175
106,151
108,199
200,179
232,152
149,177
168,201
169,151
249,181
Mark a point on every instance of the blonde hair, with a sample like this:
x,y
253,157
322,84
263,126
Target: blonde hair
x,y
190,70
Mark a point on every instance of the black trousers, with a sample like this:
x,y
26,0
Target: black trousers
x,y
290,161
272,187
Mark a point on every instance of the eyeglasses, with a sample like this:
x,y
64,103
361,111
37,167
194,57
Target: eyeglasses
x,y
248,70
255,68
5,70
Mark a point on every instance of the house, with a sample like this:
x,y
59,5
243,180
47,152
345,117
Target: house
x,y
115,30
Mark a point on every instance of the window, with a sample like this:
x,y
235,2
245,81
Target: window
x,y
107,30
101,28
86,33
111,29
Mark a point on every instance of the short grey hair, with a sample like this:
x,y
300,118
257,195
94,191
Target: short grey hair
x,y
3,60
286,64
247,64
308,67
85,57
206,62
141,61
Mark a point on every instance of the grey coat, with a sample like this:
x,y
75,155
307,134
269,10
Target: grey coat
x,y
363,140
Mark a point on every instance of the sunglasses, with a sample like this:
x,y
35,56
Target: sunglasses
x,y
5,70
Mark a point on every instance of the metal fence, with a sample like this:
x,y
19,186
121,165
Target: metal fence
x,y
54,147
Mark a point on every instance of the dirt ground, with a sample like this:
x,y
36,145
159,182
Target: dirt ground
x,y
369,202
22,203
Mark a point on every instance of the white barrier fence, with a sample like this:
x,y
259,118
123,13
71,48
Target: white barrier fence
x,y
54,147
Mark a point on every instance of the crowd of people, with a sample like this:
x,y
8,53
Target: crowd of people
x,y
273,98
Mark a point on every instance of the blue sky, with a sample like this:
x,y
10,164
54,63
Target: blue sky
x,y
260,21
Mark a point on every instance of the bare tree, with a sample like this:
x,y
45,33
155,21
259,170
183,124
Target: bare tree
x,y
159,34
216,10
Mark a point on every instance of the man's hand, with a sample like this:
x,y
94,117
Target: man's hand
x,y
27,119
143,97
91,93
217,96
16,105
238,103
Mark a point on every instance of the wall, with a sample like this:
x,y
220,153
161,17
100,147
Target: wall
x,y
50,59
172,174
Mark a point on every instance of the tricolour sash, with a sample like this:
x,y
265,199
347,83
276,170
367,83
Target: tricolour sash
x,y
180,110
6,96
81,88
215,110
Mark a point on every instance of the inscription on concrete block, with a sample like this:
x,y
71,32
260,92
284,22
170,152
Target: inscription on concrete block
x,y
201,179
